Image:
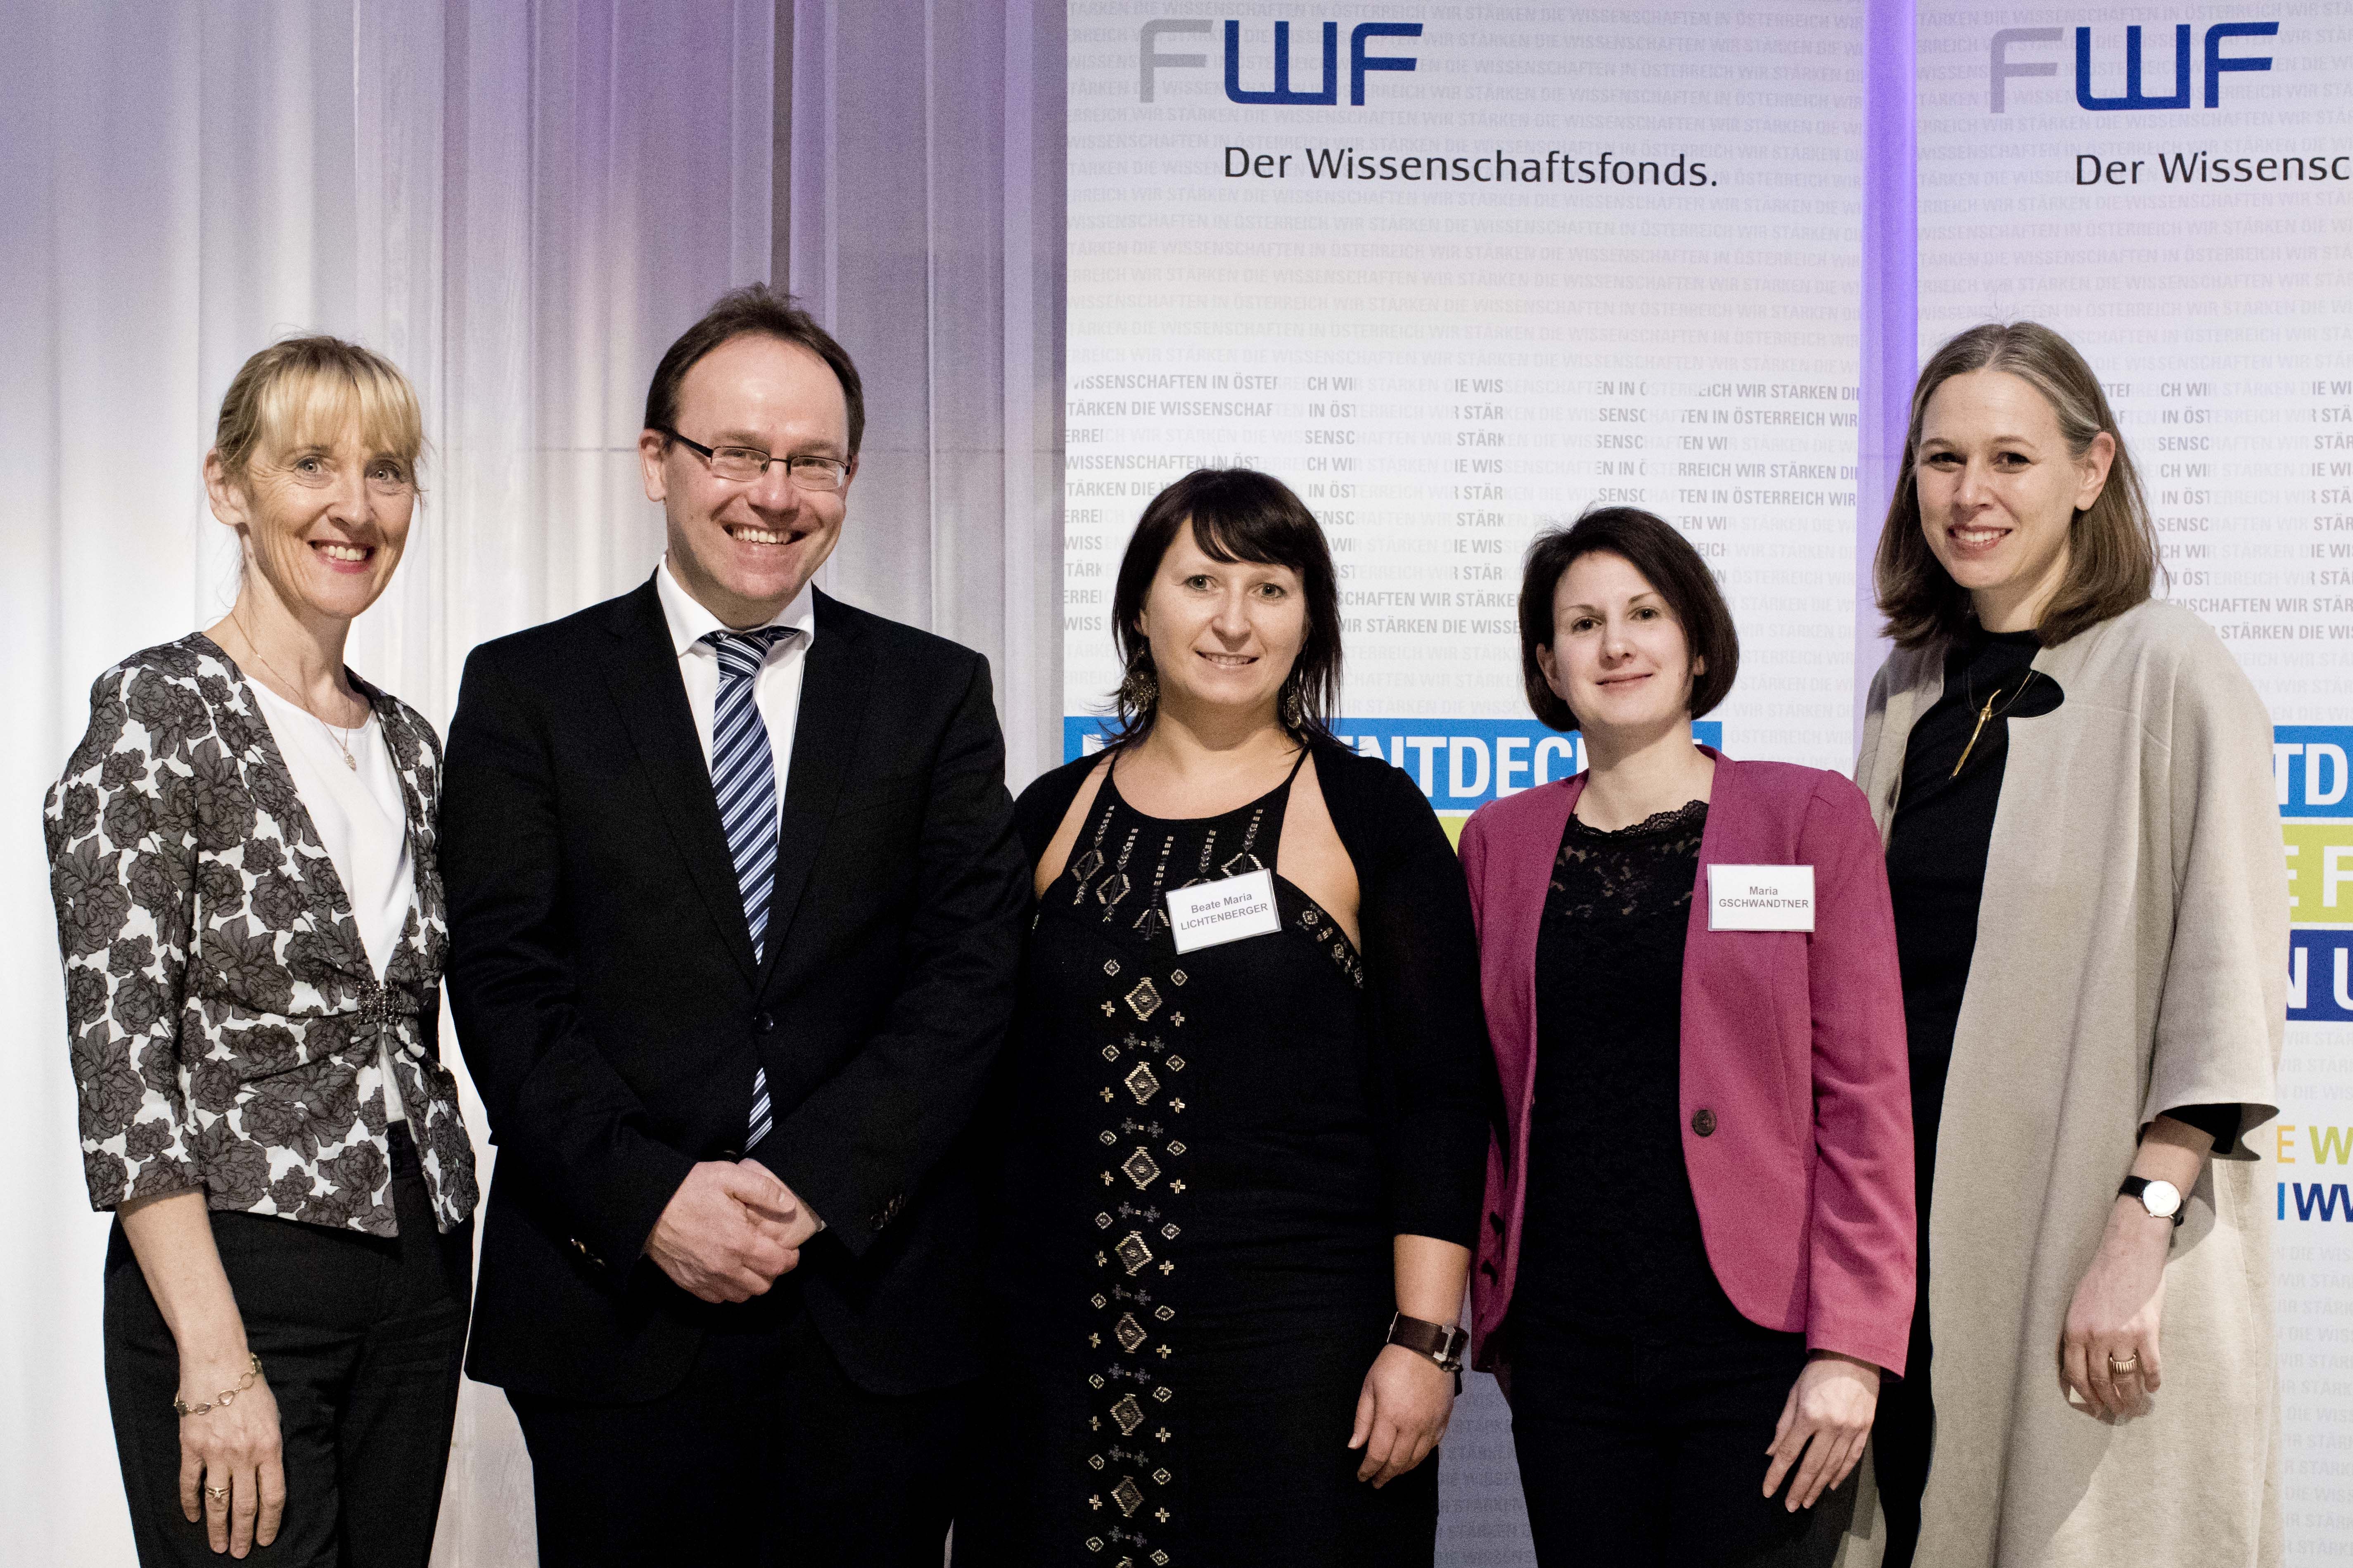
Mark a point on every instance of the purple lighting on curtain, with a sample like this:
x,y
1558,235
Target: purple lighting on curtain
x,y
1890,292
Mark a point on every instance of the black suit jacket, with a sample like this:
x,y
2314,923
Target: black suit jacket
x,y
609,1007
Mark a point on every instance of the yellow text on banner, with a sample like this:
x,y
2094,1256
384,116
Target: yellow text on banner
x,y
2319,872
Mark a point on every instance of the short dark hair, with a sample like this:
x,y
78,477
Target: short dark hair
x,y
755,309
1667,561
1237,514
2113,558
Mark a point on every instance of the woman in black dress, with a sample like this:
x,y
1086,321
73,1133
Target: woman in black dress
x,y
1244,1171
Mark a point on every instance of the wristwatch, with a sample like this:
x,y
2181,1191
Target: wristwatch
x,y
2161,1199
1441,1342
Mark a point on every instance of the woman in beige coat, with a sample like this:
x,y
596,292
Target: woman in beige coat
x,y
2074,784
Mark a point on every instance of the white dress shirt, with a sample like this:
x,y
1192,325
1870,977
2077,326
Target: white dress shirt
x,y
363,821
775,690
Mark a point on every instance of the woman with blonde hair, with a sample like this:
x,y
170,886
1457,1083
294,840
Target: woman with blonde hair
x,y
2074,784
241,851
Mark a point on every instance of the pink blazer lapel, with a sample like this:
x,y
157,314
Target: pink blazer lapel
x,y
1523,871
1720,840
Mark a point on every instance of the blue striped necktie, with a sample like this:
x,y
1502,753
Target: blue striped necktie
x,y
744,776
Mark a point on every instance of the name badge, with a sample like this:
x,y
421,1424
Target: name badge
x,y
1226,910
1760,897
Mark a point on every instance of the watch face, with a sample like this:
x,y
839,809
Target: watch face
x,y
2162,1199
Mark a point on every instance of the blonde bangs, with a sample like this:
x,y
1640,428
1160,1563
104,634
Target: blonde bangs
x,y
308,392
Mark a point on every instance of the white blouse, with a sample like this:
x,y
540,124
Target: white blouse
x,y
357,808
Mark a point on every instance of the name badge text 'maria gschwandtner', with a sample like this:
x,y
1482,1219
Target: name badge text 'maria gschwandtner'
x,y
1760,897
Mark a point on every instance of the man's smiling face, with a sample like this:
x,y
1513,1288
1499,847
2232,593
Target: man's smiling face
x,y
744,548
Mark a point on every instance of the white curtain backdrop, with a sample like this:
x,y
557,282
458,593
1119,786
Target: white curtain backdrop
x,y
927,226
521,202
520,205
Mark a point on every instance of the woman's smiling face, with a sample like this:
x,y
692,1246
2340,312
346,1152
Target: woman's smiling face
x,y
323,518
1618,657
1224,634
2000,490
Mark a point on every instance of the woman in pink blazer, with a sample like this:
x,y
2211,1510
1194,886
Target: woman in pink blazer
x,y
1697,1259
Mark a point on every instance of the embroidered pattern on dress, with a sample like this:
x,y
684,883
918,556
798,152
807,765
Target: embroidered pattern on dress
x,y
1155,918
1128,1314
1140,1230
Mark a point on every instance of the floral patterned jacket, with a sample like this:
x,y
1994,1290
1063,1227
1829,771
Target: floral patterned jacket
x,y
224,1023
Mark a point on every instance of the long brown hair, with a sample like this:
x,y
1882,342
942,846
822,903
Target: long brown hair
x,y
2112,557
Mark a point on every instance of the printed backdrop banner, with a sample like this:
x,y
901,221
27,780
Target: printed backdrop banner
x,y
2173,190
1454,272
1452,277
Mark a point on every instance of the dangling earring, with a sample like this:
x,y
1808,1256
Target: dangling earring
x,y
1294,710
1139,689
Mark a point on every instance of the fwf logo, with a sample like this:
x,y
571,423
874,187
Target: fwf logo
x,y
2218,64
1151,59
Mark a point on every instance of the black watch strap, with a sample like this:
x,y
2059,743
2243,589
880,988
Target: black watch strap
x,y
1441,1342
2134,1186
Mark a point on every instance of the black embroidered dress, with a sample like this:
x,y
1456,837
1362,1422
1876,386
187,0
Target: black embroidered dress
x,y
1198,1258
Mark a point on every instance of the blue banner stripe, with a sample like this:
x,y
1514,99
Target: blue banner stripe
x,y
1459,764
2319,975
2311,768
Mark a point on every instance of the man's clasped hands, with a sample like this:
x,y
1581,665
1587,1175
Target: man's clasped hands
x,y
731,1231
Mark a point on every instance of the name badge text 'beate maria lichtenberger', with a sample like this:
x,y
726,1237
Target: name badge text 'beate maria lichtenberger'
x,y
1760,897
1227,910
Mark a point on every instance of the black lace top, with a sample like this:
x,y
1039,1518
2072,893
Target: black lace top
x,y
1611,1236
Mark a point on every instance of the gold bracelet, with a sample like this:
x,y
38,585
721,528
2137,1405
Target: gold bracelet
x,y
226,1396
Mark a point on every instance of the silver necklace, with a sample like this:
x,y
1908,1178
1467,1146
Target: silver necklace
x,y
334,730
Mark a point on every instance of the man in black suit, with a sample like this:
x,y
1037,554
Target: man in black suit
x,y
734,909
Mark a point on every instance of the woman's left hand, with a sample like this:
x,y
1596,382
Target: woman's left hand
x,y
1826,1419
1402,1413
2107,1352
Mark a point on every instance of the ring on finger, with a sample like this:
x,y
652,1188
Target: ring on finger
x,y
219,1494
2129,1363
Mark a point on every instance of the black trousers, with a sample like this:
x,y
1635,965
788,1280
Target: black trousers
x,y
360,1338
1903,1439
1642,1450
766,1456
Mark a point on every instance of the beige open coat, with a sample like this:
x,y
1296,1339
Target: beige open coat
x,y
2131,957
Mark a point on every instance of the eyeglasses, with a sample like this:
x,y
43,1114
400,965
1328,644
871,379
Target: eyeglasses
x,y
744,464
